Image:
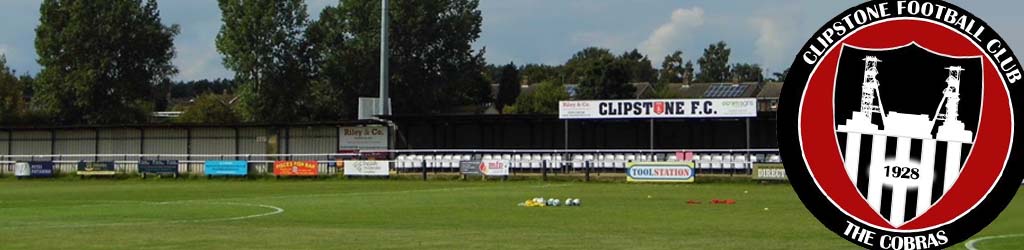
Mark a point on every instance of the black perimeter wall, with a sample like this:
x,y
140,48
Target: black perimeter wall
x,y
548,132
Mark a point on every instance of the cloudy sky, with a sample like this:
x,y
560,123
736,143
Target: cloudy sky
x,y
550,31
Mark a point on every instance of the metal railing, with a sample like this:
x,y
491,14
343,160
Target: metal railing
x,y
416,161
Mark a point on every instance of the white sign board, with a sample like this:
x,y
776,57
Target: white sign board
x,y
495,167
366,168
22,169
363,138
655,109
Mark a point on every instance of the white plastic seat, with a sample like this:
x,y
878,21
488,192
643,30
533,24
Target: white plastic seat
x,y
403,161
455,161
438,161
606,161
517,161
451,161
702,161
592,159
716,161
429,159
529,161
739,161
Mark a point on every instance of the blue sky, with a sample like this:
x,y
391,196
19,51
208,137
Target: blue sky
x,y
550,31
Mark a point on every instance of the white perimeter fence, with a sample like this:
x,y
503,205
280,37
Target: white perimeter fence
x,y
730,161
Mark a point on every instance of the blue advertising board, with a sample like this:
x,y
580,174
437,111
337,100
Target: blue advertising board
x,y
40,169
33,169
227,168
158,167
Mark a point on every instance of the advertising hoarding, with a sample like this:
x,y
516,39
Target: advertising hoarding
x,y
96,168
770,172
660,172
366,168
295,168
363,138
226,168
495,167
658,109
158,167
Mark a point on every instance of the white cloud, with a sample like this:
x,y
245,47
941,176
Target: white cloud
x,y
669,36
774,40
3,49
203,63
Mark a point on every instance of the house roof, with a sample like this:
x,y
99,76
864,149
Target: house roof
x,y
643,89
770,90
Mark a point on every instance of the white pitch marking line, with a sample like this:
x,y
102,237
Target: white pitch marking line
x,y
374,193
276,210
971,244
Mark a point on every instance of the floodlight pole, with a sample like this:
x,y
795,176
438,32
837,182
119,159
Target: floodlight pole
x,y
565,136
651,138
384,55
748,144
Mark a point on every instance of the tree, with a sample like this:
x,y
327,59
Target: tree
x,y
688,72
714,65
742,72
193,89
12,100
100,59
599,75
263,43
638,66
209,108
542,100
433,64
537,73
508,86
780,76
581,63
672,70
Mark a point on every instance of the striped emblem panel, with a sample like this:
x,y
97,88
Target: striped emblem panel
x,y
901,177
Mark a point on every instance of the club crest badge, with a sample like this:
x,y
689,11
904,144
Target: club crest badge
x,y
897,125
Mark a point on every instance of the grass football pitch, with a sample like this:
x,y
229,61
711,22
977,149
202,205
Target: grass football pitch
x,y
406,214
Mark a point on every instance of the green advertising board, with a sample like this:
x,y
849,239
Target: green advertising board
x,y
770,172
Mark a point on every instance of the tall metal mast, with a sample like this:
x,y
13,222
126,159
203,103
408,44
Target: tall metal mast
x,y
384,55
952,95
869,90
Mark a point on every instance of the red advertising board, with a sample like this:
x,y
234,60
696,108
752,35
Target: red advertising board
x,y
295,168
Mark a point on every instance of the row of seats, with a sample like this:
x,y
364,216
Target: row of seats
x,y
555,161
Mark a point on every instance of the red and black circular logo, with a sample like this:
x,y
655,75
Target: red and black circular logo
x,y
897,125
